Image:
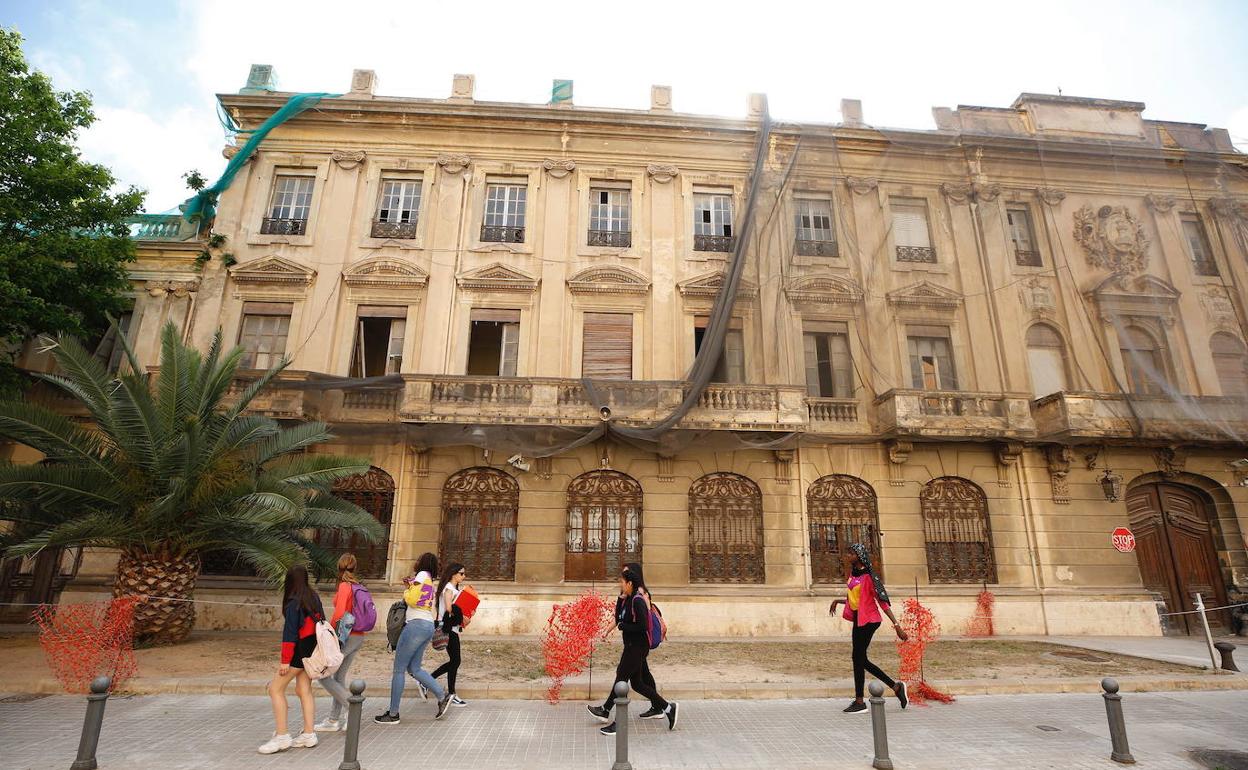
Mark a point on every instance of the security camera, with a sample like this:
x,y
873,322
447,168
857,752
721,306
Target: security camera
x,y
518,462
604,413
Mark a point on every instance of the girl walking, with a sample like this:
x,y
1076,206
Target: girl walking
x,y
421,600
301,608
646,677
452,620
344,602
632,618
865,599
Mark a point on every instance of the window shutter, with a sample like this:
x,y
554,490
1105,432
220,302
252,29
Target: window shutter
x,y
910,225
1020,229
811,349
948,379
842,365
734,357
511,350
394,356
607,349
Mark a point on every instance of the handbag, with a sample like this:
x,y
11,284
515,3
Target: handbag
x,y
440,639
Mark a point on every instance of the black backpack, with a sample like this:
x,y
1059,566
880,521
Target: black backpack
x,y
396,618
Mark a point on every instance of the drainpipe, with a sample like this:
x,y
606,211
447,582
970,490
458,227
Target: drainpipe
x,y
1033,548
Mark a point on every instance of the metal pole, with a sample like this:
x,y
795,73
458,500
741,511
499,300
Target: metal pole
x,y
621,727
878,729
1117,725
91,724
355,705
1204,621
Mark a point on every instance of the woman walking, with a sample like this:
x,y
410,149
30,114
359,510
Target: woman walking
x,y
301,609
421,600
646,677
632,617
336,685
452,620
865,599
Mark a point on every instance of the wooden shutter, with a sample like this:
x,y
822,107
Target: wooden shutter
x,y
607,350
910,224
510,354
734,357
810,346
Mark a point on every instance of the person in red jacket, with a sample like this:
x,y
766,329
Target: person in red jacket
x,y
336,685
301,609
865,599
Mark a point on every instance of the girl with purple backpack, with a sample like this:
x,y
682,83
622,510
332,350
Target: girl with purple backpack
x,y
345,604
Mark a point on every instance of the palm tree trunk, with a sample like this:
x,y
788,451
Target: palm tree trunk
x,y
165,583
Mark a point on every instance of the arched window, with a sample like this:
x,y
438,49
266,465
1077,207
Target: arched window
x,y
956,532
604,525
479,511
1231,362
374,492
725,530
842,511
1046,360
1144,361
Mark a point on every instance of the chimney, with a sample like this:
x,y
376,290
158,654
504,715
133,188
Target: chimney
x,y
462,88
261,79
851,112
756,106
660,98
363,84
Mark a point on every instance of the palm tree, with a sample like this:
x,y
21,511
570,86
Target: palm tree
x,y
167,468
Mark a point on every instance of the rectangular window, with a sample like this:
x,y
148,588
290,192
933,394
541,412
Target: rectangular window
x,y
610,217
289,207
1025,252
815,235
505,203
829,369
910,232
379,338
712,222
731,365
607,346
263,333
109,349
398,209
1198,245
494,342
931,359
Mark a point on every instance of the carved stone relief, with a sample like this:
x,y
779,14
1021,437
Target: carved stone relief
x,y
1159,203
862,185
1038,297
453,164
1008,453
178,289
420,460
1113,239
784,465
559,169
1171,460
667,468
898,454
347,159
986,192
1219,310
1051,195
958,193
662,172
1059,459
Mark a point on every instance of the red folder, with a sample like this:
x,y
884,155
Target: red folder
x,y
468,601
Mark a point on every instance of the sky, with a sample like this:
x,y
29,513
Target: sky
x,y
154,67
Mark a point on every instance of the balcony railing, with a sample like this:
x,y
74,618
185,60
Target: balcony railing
x,y
371,400
817,248
1079,415
161,227
832,409
481,391
497,234
738,398
916,254
1026,258
950,414
404,230
270,226
618,238
714,242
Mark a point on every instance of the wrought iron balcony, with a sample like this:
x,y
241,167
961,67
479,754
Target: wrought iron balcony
x,y
916,254
1206,267
406,230
1026,258
955,414
618,238
714,242
498,234
272,226
817,248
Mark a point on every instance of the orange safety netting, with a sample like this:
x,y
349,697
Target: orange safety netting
x,y
572,631
981,622
921,627
83,641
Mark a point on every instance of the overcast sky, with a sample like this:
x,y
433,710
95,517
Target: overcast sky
x,y
154,67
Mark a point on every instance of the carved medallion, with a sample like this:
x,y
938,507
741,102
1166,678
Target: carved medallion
x,y
559,168
453,164
862,185
1113,238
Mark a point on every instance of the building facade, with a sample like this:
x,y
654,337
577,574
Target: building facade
x,y
981,348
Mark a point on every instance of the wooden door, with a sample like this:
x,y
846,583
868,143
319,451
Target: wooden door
x,y
28,582
1176,551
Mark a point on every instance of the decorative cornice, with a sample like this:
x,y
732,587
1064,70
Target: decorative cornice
x,y
559,169
823,290
862,184
347,159
1051,195
662,172
1159,203
385,272
925,295
497,277
273,270
608,279
453,164
708,286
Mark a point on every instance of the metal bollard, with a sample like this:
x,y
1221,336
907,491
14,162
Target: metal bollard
x,y
878,729
621,727
1117,725
355,705
91,724
1226,649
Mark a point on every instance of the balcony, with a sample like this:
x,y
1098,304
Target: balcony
x,y
161,227
498,234
270,226
724,243
916,254
282,399
838,416
1065,417
955,414
622,239
397,230
1026,258
816,248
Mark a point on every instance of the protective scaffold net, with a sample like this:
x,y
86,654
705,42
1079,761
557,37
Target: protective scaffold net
x,y
83,641
922,629
573,630
980,623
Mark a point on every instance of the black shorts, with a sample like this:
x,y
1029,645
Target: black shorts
x,y
303,648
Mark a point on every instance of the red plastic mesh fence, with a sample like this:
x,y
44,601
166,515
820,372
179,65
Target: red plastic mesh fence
x,y
572,632
83,641
921,626
981,622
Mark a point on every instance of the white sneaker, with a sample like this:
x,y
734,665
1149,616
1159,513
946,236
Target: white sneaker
x,y
275,744
424,691
304,741
328,725
457,701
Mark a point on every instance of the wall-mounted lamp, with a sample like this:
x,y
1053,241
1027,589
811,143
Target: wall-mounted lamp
x,y
1111,485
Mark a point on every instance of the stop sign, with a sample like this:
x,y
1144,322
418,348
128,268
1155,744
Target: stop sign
x,y
1123,540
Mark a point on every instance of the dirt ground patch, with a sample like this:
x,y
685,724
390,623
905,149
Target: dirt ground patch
x,y
210,657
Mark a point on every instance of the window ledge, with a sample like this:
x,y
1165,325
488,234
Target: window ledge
x,y
407,244
630,252
255,238
922,267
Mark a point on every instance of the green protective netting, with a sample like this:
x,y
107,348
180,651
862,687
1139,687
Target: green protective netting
x,y
203,206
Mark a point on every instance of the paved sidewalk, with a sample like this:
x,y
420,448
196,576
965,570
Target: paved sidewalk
x,y
1183,650
180,732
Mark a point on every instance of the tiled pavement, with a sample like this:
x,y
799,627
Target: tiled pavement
x,y
173,732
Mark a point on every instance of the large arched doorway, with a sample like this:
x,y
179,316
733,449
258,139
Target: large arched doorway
x,y
604,525
1177,552
374,492
480,510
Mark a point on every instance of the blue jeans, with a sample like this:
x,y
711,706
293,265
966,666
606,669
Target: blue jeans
x,y
408,657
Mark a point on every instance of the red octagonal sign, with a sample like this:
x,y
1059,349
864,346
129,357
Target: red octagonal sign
x,y
1123,540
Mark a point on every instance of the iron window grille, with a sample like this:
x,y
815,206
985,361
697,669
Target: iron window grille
x,y
374,492
712,222
398,210
504,213
610,218
956,532
725,530
842,511
815,236
480,510
604,525
289,206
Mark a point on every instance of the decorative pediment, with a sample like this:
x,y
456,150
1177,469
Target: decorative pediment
x,y
497,277
608,279
708,285
273,270
823,290
925,295
1146,287
386,272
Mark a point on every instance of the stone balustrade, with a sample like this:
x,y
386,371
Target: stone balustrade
x,y
1075,416
954,414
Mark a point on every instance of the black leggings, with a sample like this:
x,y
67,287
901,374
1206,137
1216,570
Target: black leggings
x,y
862,640
451,667
633,669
